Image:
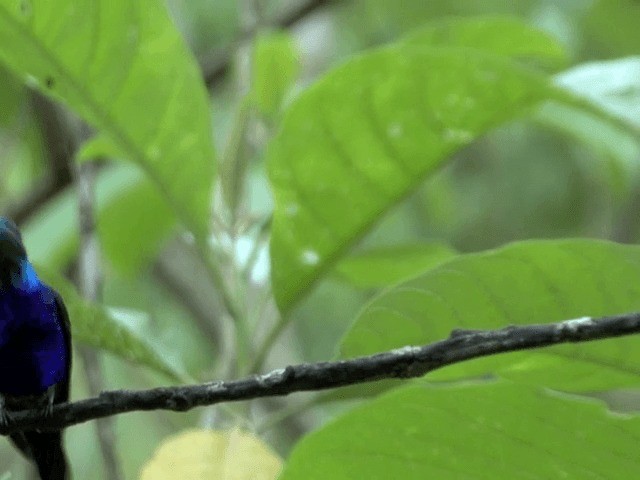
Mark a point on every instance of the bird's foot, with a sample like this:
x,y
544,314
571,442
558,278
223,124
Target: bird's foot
x,y
47,410
5,418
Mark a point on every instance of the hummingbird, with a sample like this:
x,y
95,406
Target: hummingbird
x,y
35,352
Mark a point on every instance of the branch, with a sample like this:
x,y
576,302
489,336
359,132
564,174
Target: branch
x,y
406,362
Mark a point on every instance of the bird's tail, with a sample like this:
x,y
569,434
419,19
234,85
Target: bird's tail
x,y
46,451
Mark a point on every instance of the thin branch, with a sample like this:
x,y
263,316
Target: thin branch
x,y
406,362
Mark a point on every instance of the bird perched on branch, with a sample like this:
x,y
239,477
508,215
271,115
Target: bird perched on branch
x,y
35,352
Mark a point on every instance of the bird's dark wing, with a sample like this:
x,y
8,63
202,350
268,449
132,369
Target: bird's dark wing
x,y
62,388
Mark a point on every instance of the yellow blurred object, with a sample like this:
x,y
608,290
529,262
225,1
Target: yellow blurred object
x,y
213,454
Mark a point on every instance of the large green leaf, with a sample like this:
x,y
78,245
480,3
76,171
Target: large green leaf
x,y
384,266
523,283
94,325
124,68
367,135
490,431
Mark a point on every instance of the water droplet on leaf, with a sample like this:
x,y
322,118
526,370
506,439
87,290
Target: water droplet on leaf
x,y
310,257
395,130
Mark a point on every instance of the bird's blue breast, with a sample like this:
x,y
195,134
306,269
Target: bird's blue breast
x,y
33,350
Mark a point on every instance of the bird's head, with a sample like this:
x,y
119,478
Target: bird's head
x,y
12,251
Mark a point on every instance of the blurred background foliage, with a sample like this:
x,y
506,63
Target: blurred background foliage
x,y
526,179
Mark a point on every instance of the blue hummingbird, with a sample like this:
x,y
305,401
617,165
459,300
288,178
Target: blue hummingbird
x,y
35,352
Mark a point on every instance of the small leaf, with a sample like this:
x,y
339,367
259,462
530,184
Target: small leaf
x,y
381,267
498,430
96,326
523,283
275,68
125,69
213,454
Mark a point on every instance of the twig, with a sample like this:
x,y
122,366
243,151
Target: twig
x,y
406,362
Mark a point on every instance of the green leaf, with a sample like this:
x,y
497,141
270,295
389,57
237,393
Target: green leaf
x,y
275,68
501,430
367,135
96,326
125,69
504,36
523,283
385,266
